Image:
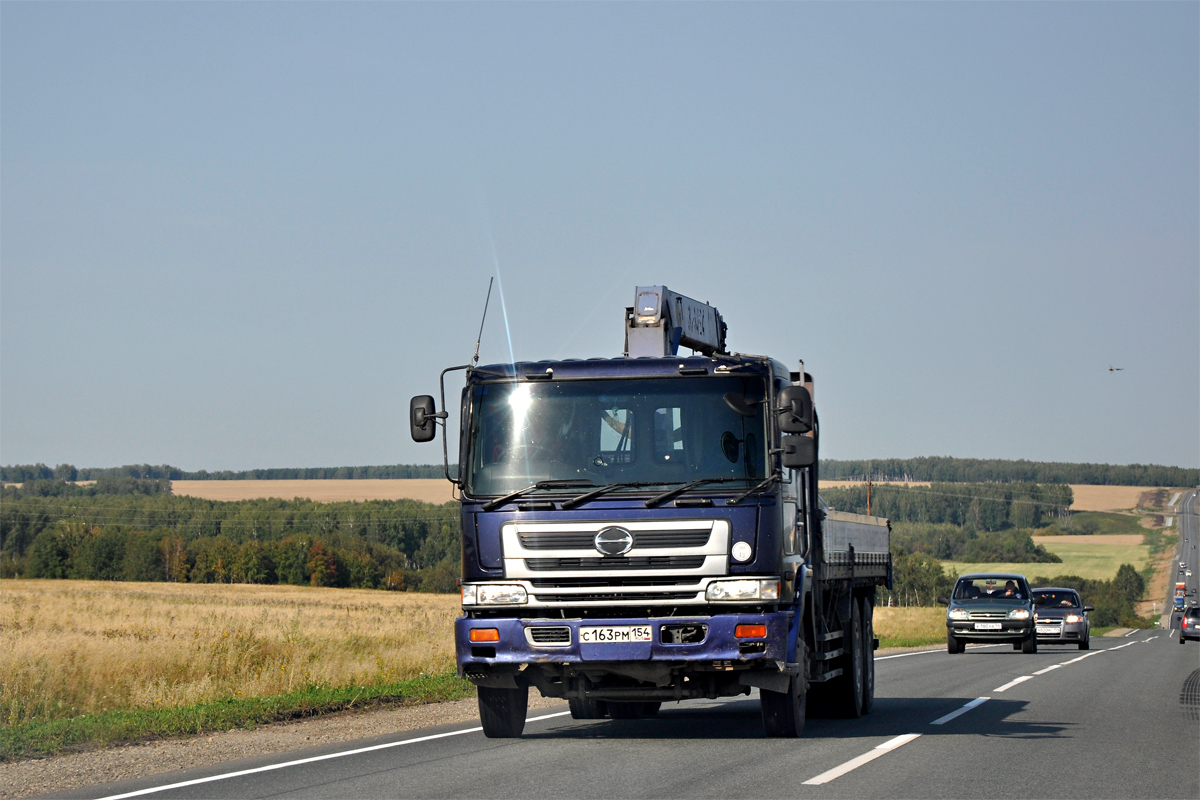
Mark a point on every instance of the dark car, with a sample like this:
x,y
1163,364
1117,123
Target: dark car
x,y
1189,624
990,607
1061,617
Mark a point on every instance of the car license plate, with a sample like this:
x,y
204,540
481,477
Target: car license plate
x,y
1047,629
615,633
988,626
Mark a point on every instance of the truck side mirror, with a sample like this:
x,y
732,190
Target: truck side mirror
x,y
799,451
422,418
795,410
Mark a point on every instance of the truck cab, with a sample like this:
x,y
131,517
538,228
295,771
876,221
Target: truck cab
x,y
646,529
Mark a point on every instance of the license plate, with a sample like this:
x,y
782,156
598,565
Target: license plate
x,y
988,626
1047,629
615,633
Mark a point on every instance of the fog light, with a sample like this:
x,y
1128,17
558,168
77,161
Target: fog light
x,y
750,631
484,635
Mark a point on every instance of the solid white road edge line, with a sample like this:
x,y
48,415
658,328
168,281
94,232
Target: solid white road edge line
x,y
1131,633
978,701
299,761
855,763
938,649
1014,682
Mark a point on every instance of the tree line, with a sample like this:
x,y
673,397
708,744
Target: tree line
x,y
140,534
995,470
981,506
19,473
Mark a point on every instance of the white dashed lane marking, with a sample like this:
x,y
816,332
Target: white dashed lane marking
x,y
858,761
978,701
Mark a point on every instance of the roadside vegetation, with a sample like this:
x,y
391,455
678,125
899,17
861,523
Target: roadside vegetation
x,y
93,662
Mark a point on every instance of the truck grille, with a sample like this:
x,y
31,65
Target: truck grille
x,y
618,563
560,565
583,540
547,636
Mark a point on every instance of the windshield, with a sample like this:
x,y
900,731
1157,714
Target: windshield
x,y
1056,599
991,588
650,432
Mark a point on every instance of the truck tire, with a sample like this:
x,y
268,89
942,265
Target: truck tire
x,y
843,697
783,712
650,709
502,711
1029,646
868,639
587,709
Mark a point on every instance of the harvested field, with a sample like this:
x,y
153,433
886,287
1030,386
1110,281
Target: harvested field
x,y
1107,498
76,647
426,490
1097,539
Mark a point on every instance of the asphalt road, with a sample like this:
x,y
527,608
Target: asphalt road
x,y
1188,554
1119,721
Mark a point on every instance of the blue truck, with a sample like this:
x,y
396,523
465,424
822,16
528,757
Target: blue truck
x,y
647,529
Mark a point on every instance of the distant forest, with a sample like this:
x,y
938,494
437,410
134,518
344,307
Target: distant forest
x,y
928,468
134,529
19,473
975,470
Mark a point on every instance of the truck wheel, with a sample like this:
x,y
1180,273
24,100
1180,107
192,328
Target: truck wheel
x,y
783,712
587,709
1029,646
502,711
846,690
625,710
650,709
868,640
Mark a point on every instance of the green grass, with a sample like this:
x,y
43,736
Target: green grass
x,y
36,739
1098,561
1106,522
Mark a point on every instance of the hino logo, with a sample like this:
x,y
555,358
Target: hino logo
x,y
614,541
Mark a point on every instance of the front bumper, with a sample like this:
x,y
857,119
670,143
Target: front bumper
x,y
1010,630
1053,631
518,640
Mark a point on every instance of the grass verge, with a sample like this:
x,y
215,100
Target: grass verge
x,y
910,626
43,738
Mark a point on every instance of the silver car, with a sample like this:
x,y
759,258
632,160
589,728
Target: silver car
x,y
1060,617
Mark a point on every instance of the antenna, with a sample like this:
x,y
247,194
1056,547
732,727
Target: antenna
x,y
479,338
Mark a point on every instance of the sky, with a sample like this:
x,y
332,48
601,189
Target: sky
x,y
239,235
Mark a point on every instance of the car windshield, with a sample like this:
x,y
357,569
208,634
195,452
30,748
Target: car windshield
x,y
650,433
1056,599
991,588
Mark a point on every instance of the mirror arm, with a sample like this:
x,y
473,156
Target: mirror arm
x,y
443,415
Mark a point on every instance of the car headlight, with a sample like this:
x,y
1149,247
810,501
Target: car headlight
x,y
1019,613
957,613
1074,618
742,590
493,594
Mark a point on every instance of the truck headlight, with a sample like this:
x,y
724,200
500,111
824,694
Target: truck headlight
x,y
493,594
957,613
742,590
1019,613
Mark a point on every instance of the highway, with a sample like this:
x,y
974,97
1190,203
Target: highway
x,y
1119,721
1189,547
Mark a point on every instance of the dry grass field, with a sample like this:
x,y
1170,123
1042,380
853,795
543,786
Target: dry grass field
x,y
909,625
76,647
1106,498
435,490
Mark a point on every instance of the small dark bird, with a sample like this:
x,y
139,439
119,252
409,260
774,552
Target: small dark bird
x,y
1111,368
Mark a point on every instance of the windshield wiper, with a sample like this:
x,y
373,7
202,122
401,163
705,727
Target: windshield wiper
x,y
733,501
492,505
575,502
671,494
